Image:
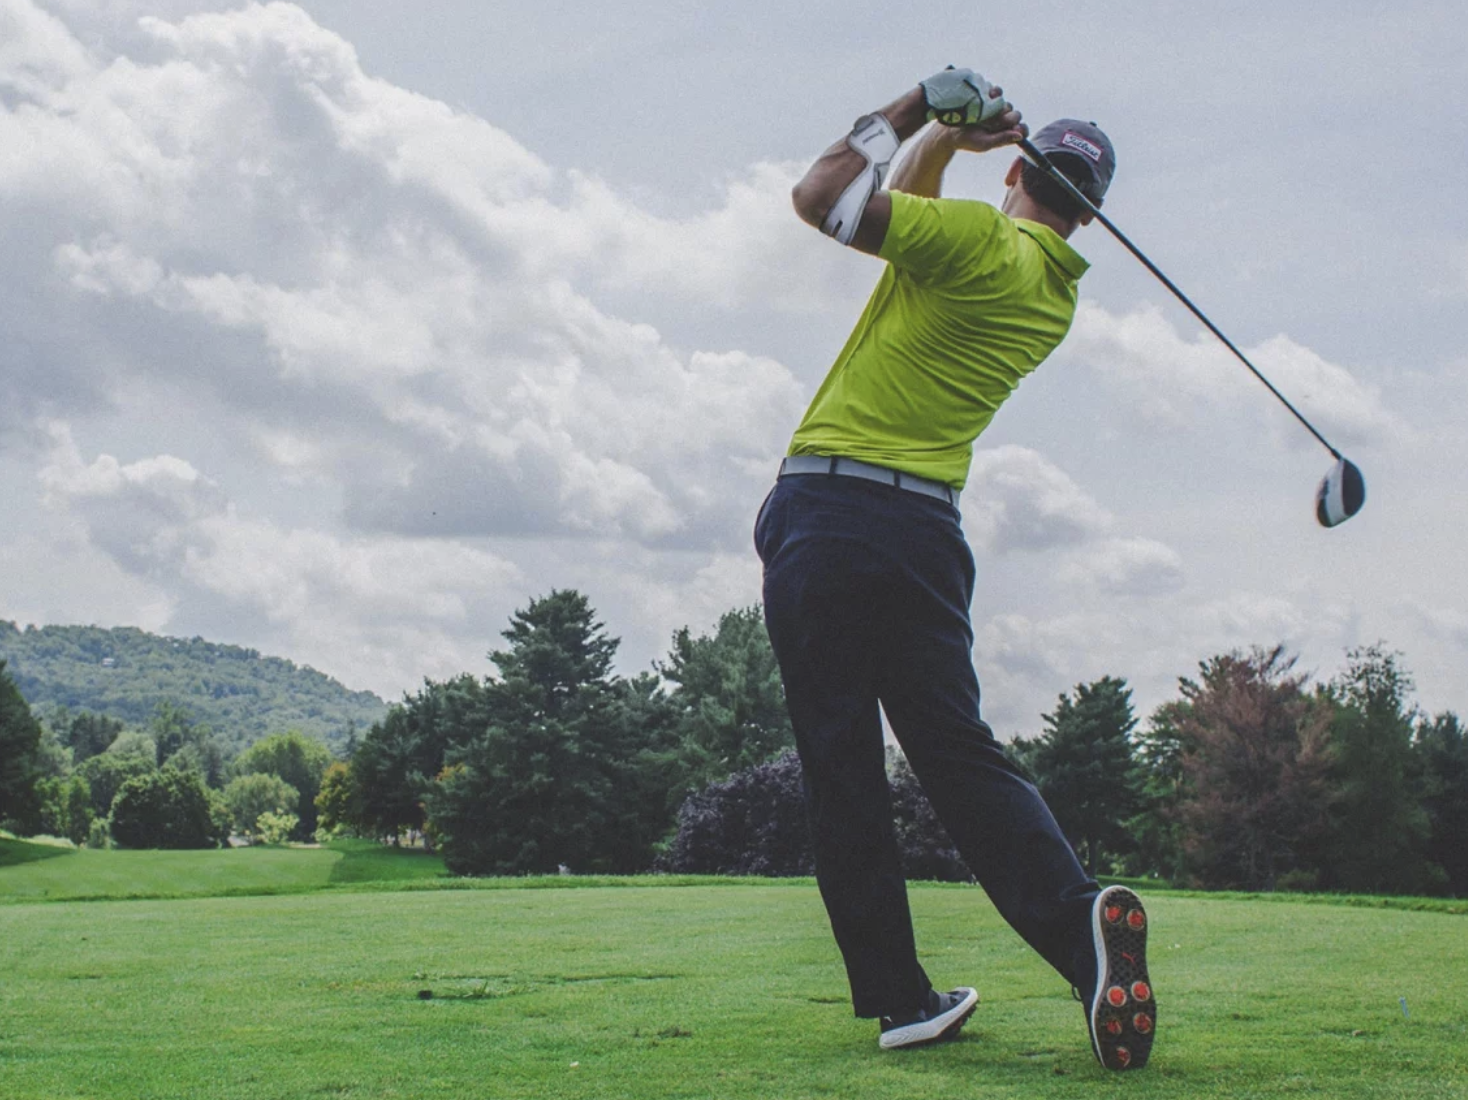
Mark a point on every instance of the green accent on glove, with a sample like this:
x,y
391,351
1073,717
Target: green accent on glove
x,y
960,97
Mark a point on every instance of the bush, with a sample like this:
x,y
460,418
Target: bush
x,y
99,835
168,809
754,823
927,850
275,828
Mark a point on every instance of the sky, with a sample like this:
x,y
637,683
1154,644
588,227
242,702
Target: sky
x,y
343,329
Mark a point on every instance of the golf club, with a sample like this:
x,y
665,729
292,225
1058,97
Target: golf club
x,y
1342,491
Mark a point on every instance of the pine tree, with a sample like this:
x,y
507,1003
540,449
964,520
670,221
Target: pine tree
x,y
1441,746
20,738
1379,830
1085,767
729,697
553,778
395,764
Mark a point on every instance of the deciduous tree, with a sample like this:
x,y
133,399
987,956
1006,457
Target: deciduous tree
x,y
298,760
168,808
334,810
66,808
249,796
1254,764
107,772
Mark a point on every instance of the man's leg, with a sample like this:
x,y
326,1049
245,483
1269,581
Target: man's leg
x,y
996,817
822,583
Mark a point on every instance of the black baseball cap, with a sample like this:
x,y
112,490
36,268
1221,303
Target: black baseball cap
x,y
1088,146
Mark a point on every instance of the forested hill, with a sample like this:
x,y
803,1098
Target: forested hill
x,y
125,673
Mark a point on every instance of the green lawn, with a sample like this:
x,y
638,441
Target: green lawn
x,y
703,990
40,872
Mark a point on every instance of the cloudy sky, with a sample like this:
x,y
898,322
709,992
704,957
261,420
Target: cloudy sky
x,y
342,329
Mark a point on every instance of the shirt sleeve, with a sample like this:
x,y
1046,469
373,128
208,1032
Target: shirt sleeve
x,y
944,242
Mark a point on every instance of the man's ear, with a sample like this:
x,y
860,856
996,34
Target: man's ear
x,y
1086,217
1012,176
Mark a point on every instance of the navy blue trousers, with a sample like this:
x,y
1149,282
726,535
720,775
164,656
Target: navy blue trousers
x,y
866,593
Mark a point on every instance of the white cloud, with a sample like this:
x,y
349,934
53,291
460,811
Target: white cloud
x,y
343,600
1126,567
37,52
400,356
1177,380
1016,499
349,261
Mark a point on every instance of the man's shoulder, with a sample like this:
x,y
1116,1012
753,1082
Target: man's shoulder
x,y
946,238
917,207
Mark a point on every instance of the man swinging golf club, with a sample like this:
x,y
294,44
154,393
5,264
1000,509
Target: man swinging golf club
x,y
868,579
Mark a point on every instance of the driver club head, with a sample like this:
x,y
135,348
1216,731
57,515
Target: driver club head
x,y
1340,496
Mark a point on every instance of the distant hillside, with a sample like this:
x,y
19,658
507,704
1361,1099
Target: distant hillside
x,y
125,673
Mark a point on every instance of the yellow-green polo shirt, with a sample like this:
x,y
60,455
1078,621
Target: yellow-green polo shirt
x,y
971,302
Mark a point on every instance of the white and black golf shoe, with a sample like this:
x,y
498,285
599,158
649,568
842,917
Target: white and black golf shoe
x,y
1121,1012
939,1019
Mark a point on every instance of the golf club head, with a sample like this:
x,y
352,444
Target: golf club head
x,y
1340,496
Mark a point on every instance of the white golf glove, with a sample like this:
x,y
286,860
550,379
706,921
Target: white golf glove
x,y
961,97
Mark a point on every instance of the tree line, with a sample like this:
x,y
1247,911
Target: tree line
x,y
93,780
1251,777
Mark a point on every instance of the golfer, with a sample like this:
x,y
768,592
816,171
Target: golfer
x,y
868,578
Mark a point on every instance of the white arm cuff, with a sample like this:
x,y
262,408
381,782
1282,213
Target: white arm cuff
x,y
874,138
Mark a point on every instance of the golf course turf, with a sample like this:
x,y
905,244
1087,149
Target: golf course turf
x,y
401,989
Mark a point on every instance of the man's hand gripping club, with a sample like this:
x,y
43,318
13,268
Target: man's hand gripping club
x,y
841,193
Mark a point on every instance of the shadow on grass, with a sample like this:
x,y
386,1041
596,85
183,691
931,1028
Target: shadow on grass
x,y
366,861
13,852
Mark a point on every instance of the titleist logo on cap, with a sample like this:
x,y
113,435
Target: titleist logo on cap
x,y
1081,145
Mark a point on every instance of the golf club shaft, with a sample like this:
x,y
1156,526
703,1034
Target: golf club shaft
x,y
1042,162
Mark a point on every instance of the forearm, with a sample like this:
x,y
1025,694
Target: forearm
x,y
920,172
840,164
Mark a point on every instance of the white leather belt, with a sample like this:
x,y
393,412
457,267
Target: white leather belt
x,y
834,466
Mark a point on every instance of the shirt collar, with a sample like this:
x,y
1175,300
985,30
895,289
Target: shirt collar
x,y
1055,246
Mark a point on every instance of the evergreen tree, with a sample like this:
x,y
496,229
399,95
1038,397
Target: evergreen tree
x,y
396,762
1084,766
20,739
1254,761
552,778
729,697
1155,828
88,734
1379,830
1442,750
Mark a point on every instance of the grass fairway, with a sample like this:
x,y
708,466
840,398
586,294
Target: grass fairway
x,y
719,991
43,873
